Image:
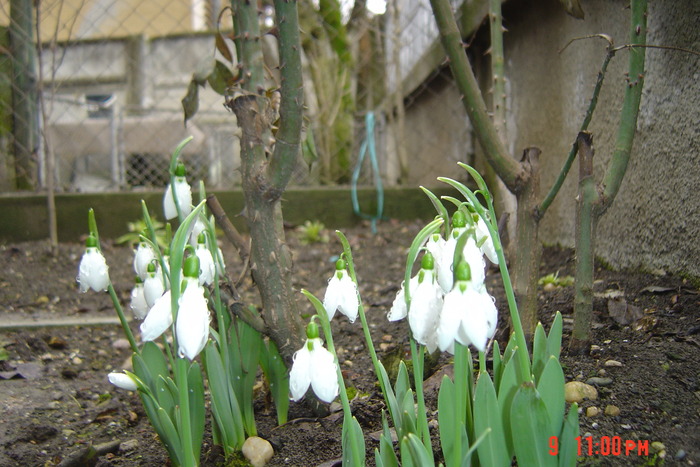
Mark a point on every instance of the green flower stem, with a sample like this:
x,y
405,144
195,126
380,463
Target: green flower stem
x,y
490,221
184,414
418,356
92,226
322,315
122,319
347,252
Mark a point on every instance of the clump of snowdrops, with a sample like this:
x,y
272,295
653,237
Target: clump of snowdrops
x,y
512,409
176,296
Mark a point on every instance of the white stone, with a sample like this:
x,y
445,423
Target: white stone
x,y
258,451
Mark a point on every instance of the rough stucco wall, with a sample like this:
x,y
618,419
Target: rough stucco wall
x,y
438,136
654,222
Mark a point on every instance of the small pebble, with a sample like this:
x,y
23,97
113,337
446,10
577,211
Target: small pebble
x,y
680,455
121,344
257,450
576,391
592,411
612,363
597,381
129,445
658,446
612,410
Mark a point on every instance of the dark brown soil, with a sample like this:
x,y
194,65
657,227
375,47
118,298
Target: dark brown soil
x,y
56,401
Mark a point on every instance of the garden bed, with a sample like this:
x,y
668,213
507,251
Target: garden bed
x,y
56,400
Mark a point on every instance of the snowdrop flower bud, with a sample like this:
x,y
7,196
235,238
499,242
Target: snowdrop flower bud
x,y
158,319
314,366
138,300
183,193
469,315
142,258
207,269
341,294
93,271
123,381
192,326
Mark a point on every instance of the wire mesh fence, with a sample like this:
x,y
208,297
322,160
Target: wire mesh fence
x,y
90,94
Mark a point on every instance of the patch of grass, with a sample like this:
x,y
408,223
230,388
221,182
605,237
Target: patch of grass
x,y
553,280
312,232
137,228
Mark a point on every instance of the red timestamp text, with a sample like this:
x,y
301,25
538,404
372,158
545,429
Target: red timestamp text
x,y
605,446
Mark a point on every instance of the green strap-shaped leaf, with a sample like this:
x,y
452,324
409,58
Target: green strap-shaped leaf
x,y
506,392
487,414
169,436
554,337
568,447
539,352
551,388
530,424
497,365
413,452
453,434
224,405
195,384
353,442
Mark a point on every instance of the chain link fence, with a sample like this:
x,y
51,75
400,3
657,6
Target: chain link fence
x,y
91,90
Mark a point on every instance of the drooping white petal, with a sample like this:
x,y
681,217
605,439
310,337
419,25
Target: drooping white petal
x,y
138,301
443,262
207,269
153,288
300,375
483,237
324,375
158,319
184,198
122,380
424,310
192,326
450,319
341,294
142,258
398,307
473,256
93,271
196,229
478,321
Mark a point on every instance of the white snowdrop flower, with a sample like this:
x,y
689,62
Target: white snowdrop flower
x,y
123,381
192,325
158,319
207,268
424,310
153,286
93,271
314,366
138,300
142,258
469,315
183,193
341,294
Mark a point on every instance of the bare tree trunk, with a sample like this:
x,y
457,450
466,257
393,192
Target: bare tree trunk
x,y
264,180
